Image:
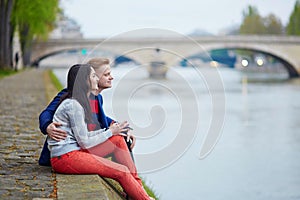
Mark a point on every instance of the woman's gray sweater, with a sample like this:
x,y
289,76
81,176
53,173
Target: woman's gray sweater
x,y
71,115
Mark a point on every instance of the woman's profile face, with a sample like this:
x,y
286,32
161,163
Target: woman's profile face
x,y
93,80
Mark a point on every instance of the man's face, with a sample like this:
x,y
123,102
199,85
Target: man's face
x,y
105,78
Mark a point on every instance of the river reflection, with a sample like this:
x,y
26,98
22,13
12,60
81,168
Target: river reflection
x,y
256,156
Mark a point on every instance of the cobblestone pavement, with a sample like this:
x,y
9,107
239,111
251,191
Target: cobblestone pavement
x,y
22,97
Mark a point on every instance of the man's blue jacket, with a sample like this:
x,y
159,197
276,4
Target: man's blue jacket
x,y
46,117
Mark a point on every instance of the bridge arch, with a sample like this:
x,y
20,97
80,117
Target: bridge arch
x,y
37,60
114,57
277,54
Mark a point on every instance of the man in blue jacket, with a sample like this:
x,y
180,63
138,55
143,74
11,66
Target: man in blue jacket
x,y
47,127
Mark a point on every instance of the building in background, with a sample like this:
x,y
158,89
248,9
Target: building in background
x,y
66,28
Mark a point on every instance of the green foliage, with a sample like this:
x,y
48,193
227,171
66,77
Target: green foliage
x,y
273,25
33,19
253,23
38,16
293,27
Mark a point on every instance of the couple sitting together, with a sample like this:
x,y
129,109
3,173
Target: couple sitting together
x,y
80,135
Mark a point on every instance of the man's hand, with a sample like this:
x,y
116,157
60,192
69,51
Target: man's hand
x,y
55,133
132,137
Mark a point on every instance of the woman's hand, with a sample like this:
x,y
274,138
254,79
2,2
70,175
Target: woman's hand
x,y
118,128
124,130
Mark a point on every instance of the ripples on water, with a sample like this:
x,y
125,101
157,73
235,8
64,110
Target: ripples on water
x,y
257,154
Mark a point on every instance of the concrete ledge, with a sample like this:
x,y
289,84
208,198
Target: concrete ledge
x,y
84,187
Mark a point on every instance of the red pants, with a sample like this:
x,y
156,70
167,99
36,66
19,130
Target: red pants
x,y
91,161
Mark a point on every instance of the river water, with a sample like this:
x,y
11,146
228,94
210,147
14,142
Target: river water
x,y
255,118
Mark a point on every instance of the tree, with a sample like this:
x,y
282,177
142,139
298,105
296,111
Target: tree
x,y
5,33
34,19
34,22
253,22
273,25
293,27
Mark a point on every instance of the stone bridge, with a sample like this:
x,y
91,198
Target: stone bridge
x,y
171,50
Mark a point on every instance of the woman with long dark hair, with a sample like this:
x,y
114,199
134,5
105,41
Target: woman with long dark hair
x,y
83,151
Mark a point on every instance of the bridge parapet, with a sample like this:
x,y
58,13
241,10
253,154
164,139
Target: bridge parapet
x,y
174,49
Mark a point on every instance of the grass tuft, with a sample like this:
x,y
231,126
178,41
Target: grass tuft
x,y
7,72
150,191
55,81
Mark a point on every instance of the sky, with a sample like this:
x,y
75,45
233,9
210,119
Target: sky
x,y
107,18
